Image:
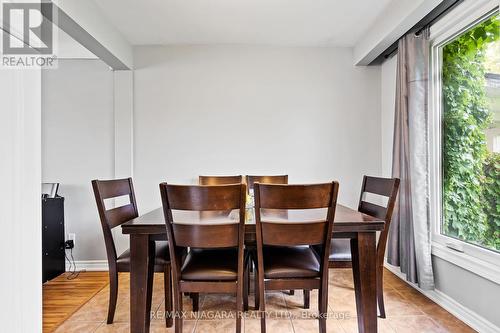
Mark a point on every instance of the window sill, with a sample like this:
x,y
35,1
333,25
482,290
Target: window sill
x,y
473,264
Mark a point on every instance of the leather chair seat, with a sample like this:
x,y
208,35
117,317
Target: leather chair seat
x,y
210,265
290,262
162,257
340,250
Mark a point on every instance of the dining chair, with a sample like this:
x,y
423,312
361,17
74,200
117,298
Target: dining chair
x,y
219,180
216,180
215,261
113,217
286,259
340,250
274,179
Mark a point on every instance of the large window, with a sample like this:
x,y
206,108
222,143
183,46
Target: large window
x,y
470,134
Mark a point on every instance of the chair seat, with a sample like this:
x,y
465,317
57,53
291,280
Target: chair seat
x,y
162,257
210,265
340,249
290,262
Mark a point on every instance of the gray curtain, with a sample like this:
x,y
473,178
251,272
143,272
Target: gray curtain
x,y
409,243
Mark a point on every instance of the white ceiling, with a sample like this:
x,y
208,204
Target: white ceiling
x,y
271,22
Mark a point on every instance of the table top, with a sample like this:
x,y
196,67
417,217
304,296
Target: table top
x,y
346,220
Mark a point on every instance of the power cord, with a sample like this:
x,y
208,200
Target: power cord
x,y
69,245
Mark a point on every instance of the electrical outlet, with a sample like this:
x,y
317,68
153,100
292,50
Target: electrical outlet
x,y
72,237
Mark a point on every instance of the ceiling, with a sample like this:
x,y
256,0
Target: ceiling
x,y
268,22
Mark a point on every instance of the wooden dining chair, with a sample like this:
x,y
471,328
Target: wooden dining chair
x,y
111,218
286,259
215,261
215,180
220,180
340,250
250,181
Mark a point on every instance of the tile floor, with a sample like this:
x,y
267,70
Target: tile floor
x,y
407,311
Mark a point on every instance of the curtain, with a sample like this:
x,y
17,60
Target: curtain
x,y
409,236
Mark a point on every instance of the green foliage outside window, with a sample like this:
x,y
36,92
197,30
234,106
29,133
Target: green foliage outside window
x,y
471,174
492,196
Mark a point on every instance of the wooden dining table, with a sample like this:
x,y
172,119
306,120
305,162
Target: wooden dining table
x,y
360,228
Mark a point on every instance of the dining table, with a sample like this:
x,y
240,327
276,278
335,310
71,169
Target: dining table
x,y
360,228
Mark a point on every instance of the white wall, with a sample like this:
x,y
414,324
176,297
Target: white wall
x,y
307,112
472,292
468,289
20,201
78,144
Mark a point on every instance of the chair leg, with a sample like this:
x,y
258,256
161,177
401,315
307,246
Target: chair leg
x,y
195,297
380,291
239,302
246,282
113,294
323,308
177,310
262,306
256,289
307,297
262,311
167,286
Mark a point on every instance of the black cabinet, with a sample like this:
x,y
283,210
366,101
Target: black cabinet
x,y
53,263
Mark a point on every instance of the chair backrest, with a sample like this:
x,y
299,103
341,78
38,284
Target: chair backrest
x,y
276,179
385,187
111,218
196,231
220,180
295,231
199,232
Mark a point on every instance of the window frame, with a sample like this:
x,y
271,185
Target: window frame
x,y
472,257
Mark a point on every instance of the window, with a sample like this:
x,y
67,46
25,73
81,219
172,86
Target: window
x,y
464,128
470,74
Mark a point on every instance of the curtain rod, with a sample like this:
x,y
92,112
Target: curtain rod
x,y
438,16
437,13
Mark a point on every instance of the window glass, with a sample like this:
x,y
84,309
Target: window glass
x,y
471,135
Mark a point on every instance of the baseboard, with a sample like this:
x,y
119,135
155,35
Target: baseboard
x,y
463,313
88,265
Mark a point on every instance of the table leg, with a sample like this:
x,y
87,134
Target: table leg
x,y
141,278
364,267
